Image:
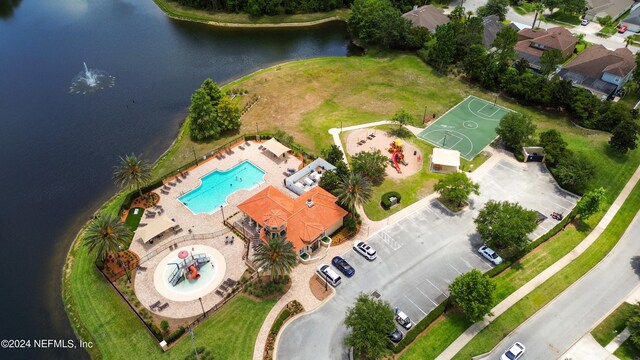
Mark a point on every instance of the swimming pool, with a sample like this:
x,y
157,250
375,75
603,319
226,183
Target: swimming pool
x,y
218,185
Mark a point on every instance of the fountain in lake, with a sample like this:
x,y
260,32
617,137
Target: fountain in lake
x,y
90,80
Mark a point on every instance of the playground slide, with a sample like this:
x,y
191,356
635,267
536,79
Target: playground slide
x,y
394,158
193,273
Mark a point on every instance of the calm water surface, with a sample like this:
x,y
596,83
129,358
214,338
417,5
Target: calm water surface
x,y
58,149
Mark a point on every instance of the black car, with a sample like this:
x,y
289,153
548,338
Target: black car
x,y
396,335
342,265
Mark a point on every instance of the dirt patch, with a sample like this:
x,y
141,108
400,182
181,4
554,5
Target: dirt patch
x,y
372,139
317,286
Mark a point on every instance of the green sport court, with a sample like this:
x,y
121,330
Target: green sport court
x,y
467,127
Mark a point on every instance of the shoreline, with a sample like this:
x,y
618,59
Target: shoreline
x,y
169,12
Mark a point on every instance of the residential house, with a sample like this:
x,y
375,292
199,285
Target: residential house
x,y
632,22
492,27
304,221
600,70
602,8
532,43
427,16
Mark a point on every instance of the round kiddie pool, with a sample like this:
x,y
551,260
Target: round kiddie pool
x,y
189,273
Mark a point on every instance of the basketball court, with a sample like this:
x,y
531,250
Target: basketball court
x,y
467,127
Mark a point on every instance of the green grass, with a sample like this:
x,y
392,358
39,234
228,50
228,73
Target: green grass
x,y
231,332
175,10
438,336
520,10
627,351
504,324
613,325
563,18
132,219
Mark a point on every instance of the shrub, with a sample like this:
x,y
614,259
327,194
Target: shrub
x,y
175,335
386,199
154,329
164,325
350,224
284,315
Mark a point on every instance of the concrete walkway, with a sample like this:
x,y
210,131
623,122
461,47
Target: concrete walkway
x,y
335,133
472,331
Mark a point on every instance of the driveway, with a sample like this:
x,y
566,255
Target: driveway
x,y
555,328
420,255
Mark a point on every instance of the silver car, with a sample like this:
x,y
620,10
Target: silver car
x,y
490,255
365,250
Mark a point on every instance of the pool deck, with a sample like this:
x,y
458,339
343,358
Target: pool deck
x,y
145,290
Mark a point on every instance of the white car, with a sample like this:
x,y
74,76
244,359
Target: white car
x,y
490,255
514,352
365,250
584,22
403,320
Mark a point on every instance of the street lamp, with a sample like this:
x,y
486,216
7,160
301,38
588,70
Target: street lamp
x,y
203,312
424,117
222,209
340,126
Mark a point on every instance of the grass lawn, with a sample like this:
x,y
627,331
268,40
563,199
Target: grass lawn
x,y
133,219
437,337
562,18
176,10
504,324
627,351
230,333
613,325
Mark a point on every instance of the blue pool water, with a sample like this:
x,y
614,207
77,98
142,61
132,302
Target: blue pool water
x,y
218,185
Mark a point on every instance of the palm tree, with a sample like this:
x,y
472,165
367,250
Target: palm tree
x,y
538,8
132,171
107,235
353,191
628,41
277,255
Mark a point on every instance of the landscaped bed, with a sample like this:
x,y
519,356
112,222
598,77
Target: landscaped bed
x,y
613,324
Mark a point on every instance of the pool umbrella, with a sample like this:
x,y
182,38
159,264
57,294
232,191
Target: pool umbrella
x,y
183,254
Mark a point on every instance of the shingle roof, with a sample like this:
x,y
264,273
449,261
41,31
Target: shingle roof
x,y
304,223
594,84
634,17
427,16
492,27
557,38
610,7
596,59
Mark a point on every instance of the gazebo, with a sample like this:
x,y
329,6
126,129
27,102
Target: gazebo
x,y
276,148
445,161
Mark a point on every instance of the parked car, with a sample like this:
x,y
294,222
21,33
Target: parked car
x,y
514,352
490,255
396,335
622,29
403,320
585,22
342,265
365,250
327,273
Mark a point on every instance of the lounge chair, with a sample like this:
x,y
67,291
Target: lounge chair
x,y
219,293
223,287
165,192
150,214
163,306
154,305
230,282
184,175
165,187
171,183
143,268
178,179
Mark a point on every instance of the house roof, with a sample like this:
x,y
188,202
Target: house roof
x,y
445,157
596,60
492,27
595,85
633,18
306,217
275,147
555,38
608,7
427,16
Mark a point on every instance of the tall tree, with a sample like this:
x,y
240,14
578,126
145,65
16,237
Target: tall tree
x,y
624,137
443,51
106,235
228,115
554,146
515,129
473,292
538,8
213,91
504,225
573,6
574,172
456,187
552,4
353,191
370,164
505,40
402,118
276,255
369,321
202,117
591,202
377,22
494,7
132,171
475,63
332,154
549,61
468,34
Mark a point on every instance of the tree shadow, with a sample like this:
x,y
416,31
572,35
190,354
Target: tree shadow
x,y
400,132
635,264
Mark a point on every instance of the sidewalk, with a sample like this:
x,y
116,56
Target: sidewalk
x,y
472,331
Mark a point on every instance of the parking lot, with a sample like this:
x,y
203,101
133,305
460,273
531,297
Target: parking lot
x,y
420,255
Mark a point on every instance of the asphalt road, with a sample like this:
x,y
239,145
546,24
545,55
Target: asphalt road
x,y
419,256
553,330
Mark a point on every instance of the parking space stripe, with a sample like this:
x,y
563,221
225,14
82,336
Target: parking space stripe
x,y
414,304
437,288
454,268
425,295
484,263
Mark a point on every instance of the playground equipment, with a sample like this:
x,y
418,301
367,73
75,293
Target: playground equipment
x,y
396,154
188,268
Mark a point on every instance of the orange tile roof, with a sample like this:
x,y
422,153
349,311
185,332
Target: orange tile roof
x,y
304,224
